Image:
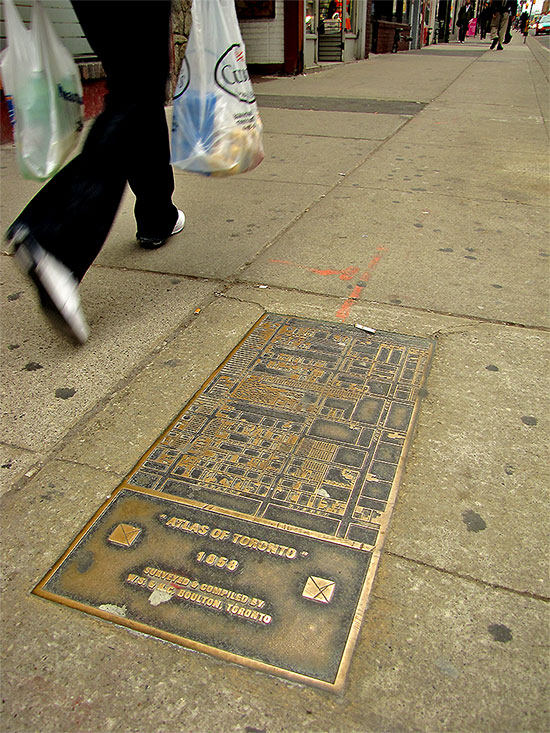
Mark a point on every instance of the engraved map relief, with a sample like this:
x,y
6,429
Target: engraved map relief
x,y
305,424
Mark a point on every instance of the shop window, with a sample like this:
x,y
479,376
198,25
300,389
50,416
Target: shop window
x,y
311,16
390,10
331,10
352,27
382,10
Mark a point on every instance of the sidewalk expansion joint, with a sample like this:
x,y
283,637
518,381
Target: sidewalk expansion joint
x,y
470,578
477,320
83,464
167,273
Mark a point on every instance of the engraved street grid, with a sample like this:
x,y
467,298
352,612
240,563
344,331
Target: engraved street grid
x,y
304,424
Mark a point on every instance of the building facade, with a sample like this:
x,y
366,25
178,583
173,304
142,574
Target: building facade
x,y
292,36
280,36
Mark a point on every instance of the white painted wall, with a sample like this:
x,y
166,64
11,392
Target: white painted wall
x,y
264,39
63,18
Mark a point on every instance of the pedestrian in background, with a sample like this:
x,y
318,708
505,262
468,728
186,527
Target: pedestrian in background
x,y
524,25
502,12
485,20
465,15
62,230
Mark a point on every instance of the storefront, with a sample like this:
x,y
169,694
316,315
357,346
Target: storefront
x,y
295,35
281,37
430,17
391,25
336,31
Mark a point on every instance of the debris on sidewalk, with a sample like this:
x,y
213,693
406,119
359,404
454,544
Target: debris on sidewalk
x,y
365,328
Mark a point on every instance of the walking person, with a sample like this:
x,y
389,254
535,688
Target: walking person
x,y
62,230
524,25
485,20
465,15
502,12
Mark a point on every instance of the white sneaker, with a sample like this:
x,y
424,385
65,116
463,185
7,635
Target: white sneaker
x,y
57,286
180,222
152,243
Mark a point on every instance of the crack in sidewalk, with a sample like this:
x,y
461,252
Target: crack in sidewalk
x,y
470,578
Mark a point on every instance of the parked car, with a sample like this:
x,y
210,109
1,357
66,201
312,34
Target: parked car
x,y
543,24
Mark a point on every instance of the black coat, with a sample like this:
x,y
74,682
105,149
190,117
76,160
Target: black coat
x,y
465,15
504,6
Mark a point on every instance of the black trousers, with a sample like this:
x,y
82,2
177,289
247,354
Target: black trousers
x,y
128,143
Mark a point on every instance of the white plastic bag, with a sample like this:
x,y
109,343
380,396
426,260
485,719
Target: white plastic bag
x,y
216,128
43,88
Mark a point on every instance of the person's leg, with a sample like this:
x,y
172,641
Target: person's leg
x,y
502,28
150,174
141,87
495,22
60,232
72,214
63,228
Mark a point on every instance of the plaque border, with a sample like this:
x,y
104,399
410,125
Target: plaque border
x,y
375,551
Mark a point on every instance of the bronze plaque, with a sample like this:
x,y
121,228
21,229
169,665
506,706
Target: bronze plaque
x,y
252,528
305,423
276,598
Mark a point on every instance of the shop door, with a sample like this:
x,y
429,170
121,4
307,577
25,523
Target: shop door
x,y
331,39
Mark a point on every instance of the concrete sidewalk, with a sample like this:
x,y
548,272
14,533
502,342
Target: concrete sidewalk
x,y
443,211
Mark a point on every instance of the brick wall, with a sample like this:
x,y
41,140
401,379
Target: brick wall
x,y
384,34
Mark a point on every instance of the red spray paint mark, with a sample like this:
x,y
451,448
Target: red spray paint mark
x,y
348,273
344,310
345,274
324,273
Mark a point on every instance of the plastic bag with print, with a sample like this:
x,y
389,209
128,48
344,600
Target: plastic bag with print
x,y
43,91
216,127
